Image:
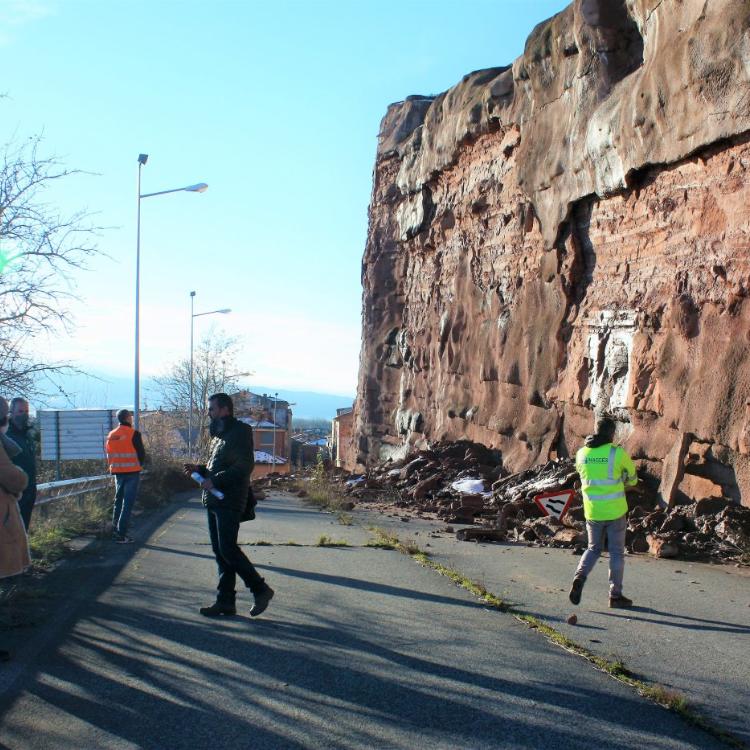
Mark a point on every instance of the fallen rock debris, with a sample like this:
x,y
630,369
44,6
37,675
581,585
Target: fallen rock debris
x,y
465,483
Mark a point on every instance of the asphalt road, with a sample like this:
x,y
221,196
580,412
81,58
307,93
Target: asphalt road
x,y
360,648
688,631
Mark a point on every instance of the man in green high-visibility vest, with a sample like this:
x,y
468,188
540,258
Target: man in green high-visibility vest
x,y
605,470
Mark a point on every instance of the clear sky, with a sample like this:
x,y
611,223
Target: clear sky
x,y
276,105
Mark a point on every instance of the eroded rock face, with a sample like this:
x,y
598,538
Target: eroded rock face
x,y
569,234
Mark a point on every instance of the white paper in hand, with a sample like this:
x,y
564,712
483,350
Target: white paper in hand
x,y
216,493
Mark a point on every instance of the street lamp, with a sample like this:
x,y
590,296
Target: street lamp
x,y
193,316
200,187
233,376
275,399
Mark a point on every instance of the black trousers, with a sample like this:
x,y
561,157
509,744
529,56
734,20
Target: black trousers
x,y
223,527
26,506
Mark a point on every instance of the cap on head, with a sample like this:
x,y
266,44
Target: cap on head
x,y
606,426
123,415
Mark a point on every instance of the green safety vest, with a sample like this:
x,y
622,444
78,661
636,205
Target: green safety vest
x,y
604,472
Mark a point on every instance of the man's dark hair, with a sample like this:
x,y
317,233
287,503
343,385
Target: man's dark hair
x,y
17,400
122,416
222,400
606,426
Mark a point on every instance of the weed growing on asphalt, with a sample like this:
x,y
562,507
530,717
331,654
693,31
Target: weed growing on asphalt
x,y
345,519
321,492
327,541
386,540
380,544
466,583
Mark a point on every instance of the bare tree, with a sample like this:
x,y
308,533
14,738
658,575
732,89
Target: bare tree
x,y
214,370
39,250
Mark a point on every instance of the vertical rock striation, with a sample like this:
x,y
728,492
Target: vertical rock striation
x,y
571,234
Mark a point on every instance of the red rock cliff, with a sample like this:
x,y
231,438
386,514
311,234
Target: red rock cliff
x,y
571,234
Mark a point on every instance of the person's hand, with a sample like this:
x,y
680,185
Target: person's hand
x,y
190,468
207,484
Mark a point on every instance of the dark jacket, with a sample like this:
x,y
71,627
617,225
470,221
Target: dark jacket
x,y
26,459
140,451
231,460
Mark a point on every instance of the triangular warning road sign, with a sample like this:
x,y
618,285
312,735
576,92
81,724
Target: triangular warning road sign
x,y
555,503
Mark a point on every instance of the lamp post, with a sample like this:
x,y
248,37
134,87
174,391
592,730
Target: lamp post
x,y
275,399
200,187
193,316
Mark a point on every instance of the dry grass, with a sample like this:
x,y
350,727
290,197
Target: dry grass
x,y
327,541
54,525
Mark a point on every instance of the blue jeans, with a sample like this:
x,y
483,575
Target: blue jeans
x,y
126,490
223,528
615,531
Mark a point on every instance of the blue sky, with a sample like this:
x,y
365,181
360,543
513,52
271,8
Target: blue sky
x,y
276,106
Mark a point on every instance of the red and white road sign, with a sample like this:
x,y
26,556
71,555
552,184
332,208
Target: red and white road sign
x,y
554,503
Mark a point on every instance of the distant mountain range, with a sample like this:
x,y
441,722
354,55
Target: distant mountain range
x,y
106,391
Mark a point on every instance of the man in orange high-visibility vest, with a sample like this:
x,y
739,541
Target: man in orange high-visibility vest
x,y
125,456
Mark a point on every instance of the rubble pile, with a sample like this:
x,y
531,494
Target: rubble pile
x,y
520,518
711,528
452,479
464,483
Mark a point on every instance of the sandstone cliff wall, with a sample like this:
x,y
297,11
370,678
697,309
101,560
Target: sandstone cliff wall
x,y
571,234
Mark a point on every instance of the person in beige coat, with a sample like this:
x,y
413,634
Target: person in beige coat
x,y
14,546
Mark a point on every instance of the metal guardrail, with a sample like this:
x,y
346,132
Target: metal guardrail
x,y
48,492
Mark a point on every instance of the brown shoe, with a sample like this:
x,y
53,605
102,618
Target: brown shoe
x,y
620,602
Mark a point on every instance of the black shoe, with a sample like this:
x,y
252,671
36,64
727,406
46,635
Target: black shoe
x,y
217,609
576,589
262,600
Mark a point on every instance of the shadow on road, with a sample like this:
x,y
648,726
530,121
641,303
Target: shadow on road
x,y
363,585
693,623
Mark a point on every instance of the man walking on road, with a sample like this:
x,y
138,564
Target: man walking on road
x,y
125,456
19,432
605,470
230,463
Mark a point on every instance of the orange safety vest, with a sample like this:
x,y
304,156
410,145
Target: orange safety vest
x,y
121,455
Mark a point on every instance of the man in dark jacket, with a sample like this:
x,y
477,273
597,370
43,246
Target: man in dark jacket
x,y
230,463
19,432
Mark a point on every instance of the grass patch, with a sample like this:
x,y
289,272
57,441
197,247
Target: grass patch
x,y
379,544
386,540
261,543
327,541
324,494
473,587
345,519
